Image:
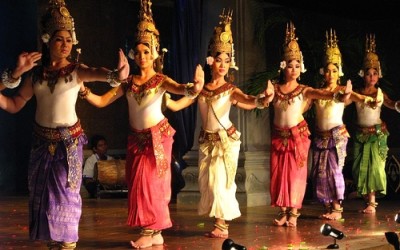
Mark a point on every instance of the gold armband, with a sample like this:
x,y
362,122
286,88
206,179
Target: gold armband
x,y
259,101
112,78
189,93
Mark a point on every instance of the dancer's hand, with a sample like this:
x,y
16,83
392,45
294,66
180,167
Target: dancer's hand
x,y
26,61
198,79
123,66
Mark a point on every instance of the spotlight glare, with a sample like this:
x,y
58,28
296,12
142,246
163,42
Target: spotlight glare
x,y
397,218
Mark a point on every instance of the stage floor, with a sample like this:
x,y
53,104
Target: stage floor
x,y
103,226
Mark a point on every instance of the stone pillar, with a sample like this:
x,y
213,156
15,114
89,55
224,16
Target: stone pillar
x,y
252,178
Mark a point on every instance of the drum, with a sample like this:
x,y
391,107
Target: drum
x,y
110,174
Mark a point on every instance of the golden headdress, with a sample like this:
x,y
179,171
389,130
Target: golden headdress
x,y
332,52
57,17
147,32
371,59
222,40
291,49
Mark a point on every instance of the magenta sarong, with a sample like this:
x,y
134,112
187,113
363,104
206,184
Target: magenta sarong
x,y
148,174
289,153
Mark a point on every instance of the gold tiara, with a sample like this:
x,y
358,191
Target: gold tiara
x,y
146,29
291,49
57,17
222,40
371,59
332,52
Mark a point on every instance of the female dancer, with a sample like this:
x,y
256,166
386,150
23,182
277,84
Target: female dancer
x,y
290,142
150,141
370,142
330,141
55,168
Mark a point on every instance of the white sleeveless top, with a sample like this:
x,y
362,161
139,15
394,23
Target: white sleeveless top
x,y
367,116
56,108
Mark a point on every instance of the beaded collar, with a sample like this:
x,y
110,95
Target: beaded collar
x,y
287,99
207,94
151,86
41,74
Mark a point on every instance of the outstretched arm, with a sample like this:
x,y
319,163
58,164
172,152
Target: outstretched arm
x,y
389,103
341,96
243,105
114,78
176,105
101,101
191,90
17,102
26,61
249,101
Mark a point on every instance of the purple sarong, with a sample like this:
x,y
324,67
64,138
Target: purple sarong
x,y
55,168
329,153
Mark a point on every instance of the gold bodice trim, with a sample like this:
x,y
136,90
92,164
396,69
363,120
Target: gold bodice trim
x,y
41,74
210,95
145,89
287,99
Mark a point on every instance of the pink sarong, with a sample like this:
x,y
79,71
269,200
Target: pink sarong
x,y
148,176
289,153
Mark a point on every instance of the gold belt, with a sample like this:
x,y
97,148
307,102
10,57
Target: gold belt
x,y
54,135
372,129
286,133
328,133
215,136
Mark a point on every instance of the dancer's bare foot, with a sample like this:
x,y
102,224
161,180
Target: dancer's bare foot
x,y
142,242
371,208
328,210
282,218
157,239
292,221
334,216
219,231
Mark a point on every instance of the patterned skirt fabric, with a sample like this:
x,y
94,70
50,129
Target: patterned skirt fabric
x,y
289,155
148,174
218,159
370,152
55,204
329,153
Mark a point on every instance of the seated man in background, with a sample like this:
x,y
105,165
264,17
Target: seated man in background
x,y
99,147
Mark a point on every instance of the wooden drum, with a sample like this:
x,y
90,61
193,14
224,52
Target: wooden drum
x,y
111,174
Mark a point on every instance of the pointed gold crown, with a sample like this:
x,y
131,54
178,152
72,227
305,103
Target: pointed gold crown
x,y
222,40
146,29
332,52
371,59
57,17
291,49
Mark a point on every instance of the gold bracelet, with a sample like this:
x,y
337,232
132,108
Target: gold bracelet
x,y
259,101
8,80
189,93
